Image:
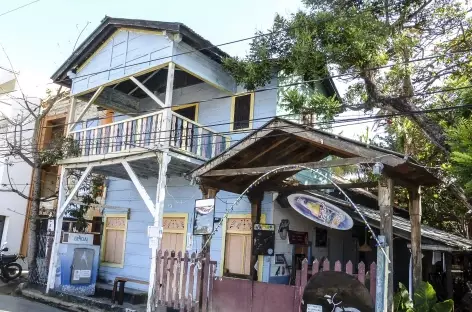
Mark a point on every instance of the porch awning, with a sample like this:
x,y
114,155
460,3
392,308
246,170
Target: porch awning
x,y
401,226
282,142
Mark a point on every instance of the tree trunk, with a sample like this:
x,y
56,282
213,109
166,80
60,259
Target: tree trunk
x,y
33,218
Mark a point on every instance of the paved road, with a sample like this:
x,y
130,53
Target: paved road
x,y
17,304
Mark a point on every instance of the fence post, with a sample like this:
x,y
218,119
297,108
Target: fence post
x,y
382,277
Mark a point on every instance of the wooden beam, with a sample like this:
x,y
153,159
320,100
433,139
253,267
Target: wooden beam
x,y
147,91
267,150
326,186
116,100
144,81
312,165
140,188
386,229
82,113
74,190
415,220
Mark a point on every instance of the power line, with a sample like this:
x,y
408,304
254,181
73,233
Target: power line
x,y
20,7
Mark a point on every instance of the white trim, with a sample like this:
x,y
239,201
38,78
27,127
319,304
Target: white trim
x,y
82,113
158,220
140,188
147,91
74,190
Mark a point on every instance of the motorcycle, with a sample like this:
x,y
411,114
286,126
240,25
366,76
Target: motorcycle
x,y
9,269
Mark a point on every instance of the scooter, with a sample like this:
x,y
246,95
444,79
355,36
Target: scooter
x,y
9,269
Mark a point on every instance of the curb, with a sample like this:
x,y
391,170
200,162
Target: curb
x,y
73,307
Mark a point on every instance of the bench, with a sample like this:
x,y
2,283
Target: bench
x,y
121,292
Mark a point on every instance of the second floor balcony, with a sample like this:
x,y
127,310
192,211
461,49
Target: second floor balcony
x,y
148,133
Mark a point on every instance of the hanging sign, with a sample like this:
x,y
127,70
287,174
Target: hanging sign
x,y
204,216
264,239
320,211
298,238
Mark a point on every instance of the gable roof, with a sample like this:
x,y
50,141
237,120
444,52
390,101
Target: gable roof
x,y
109,25
292,143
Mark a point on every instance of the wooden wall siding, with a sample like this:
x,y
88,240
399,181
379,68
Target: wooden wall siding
x,y
180,198
203,67
127,52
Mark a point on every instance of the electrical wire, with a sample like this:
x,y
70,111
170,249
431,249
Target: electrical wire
x,y
17,8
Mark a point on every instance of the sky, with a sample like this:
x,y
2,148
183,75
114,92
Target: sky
x,y
40,36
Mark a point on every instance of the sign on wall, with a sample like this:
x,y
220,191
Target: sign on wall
x,y
298,238
203,216
264,239
320,211
77,238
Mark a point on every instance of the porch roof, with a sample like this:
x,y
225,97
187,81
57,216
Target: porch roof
x,y
110,24
401,226
281,142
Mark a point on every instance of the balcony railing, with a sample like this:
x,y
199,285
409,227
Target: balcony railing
x,y
145,132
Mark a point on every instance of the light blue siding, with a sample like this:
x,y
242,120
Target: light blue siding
x,y
128,52
187,57
180,198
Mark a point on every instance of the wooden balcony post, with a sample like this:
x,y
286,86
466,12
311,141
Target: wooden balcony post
x,y
256,210
167,112
386,213
415,220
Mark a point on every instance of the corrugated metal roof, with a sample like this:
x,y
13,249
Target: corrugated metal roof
x,y
401,224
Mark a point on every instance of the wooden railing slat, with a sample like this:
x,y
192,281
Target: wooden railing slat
x,y
157,281
171,281
206,276
176,297
198,295
304,277
337,266
190,293
183,286
349,267
373,280
361,272
165,272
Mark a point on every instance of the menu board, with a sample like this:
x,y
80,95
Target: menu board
x,y
264,239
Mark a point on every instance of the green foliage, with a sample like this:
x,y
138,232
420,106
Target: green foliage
x,y
460,140
424,300
59,148
88,193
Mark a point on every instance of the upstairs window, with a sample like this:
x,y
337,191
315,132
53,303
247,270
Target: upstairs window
x,y
242,110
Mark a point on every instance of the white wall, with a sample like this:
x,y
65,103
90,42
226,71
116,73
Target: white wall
x,y
13,206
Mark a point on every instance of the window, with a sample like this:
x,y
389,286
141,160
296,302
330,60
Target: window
x,y
175,232
242,110
114,240
189,111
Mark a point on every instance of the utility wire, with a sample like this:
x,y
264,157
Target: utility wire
x,y
17,8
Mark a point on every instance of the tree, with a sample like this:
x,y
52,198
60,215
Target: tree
x,y
394,56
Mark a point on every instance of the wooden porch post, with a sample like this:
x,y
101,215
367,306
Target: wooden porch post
x,y
386,212
158,220
207,192
256,202
449,281
415,220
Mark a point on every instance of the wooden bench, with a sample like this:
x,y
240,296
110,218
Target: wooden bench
x,y
121,292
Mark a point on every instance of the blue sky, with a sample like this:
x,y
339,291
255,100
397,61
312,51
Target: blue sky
x,y
39,37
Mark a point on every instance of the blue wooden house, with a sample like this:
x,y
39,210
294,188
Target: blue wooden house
x,y
166,107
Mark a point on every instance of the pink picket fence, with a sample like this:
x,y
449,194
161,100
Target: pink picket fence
x,y
364,277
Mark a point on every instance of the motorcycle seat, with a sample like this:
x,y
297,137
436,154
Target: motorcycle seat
x,y
8,258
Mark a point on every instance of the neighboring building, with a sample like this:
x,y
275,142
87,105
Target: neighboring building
x,y
18,172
